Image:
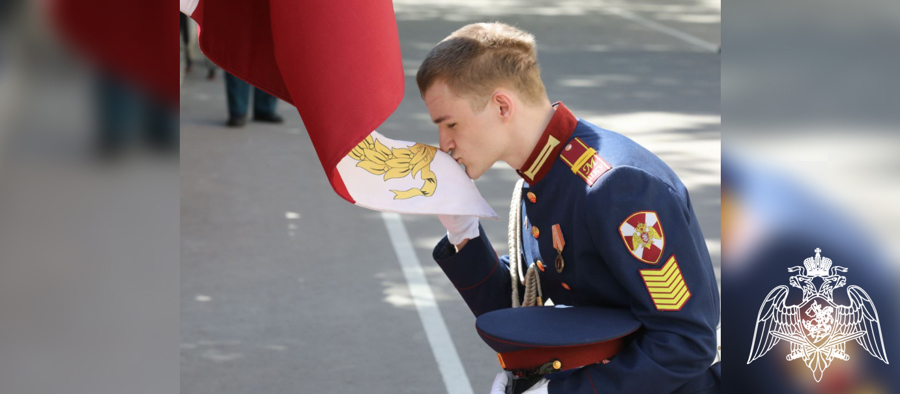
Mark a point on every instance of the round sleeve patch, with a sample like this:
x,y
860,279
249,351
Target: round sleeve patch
x,y
643,236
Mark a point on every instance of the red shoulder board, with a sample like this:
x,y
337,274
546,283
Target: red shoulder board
x,y
584,161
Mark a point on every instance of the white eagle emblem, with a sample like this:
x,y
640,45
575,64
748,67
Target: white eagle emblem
x,y
817,328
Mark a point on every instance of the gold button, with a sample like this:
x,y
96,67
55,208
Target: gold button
x,y
540,265
605,361
557,364
565,286
532,197
568,147
535,231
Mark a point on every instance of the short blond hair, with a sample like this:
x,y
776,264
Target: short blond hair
x,y
480,57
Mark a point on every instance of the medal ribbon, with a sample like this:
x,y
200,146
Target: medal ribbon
x,y
558,242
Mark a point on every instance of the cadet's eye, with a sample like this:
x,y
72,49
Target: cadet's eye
x,y
452,125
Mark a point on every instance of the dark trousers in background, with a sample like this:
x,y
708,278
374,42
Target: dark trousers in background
x,y
125,114
238,93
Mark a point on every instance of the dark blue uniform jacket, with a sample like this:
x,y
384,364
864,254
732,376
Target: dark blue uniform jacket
x,y
632,241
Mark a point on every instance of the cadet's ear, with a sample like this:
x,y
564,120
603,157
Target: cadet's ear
x,y
504,103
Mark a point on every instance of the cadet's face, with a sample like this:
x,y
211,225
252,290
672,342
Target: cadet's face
x,y
475,140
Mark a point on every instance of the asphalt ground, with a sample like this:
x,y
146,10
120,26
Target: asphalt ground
x,y
287,288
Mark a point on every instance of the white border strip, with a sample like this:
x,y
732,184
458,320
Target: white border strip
x,y
188,6
455,379
706,45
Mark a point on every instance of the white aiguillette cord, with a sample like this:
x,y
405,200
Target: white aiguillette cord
x,y
533,295
514,239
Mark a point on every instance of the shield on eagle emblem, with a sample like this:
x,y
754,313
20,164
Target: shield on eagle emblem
x,y
643,236
818,319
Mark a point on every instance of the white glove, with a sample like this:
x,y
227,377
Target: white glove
x,y
500,382
502,379
459,227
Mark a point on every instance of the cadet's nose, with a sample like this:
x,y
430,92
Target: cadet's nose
x,y
446,143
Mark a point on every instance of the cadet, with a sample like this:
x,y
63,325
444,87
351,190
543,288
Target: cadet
x,y
598,223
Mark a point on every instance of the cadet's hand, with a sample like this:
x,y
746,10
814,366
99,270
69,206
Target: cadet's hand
x,y
500,382
459,227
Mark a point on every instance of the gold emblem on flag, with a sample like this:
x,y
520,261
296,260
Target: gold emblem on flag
x,y
378,159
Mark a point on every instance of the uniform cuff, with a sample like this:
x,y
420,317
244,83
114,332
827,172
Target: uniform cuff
x,y
471,265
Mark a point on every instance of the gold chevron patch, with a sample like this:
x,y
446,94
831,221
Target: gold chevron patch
x,y
666,286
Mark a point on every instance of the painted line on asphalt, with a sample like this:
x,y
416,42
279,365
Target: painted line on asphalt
x,y
690,39
452,371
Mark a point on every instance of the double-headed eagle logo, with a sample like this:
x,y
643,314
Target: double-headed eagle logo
x,y
817,328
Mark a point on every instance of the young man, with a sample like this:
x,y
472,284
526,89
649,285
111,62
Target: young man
x,y
603,221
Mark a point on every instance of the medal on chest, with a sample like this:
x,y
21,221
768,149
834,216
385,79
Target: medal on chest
x,y
558,243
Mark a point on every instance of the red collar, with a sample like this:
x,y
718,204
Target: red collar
x,y
557,133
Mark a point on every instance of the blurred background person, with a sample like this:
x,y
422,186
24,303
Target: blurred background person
x,y
126,114
191,48
238,93
183,22
95,294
